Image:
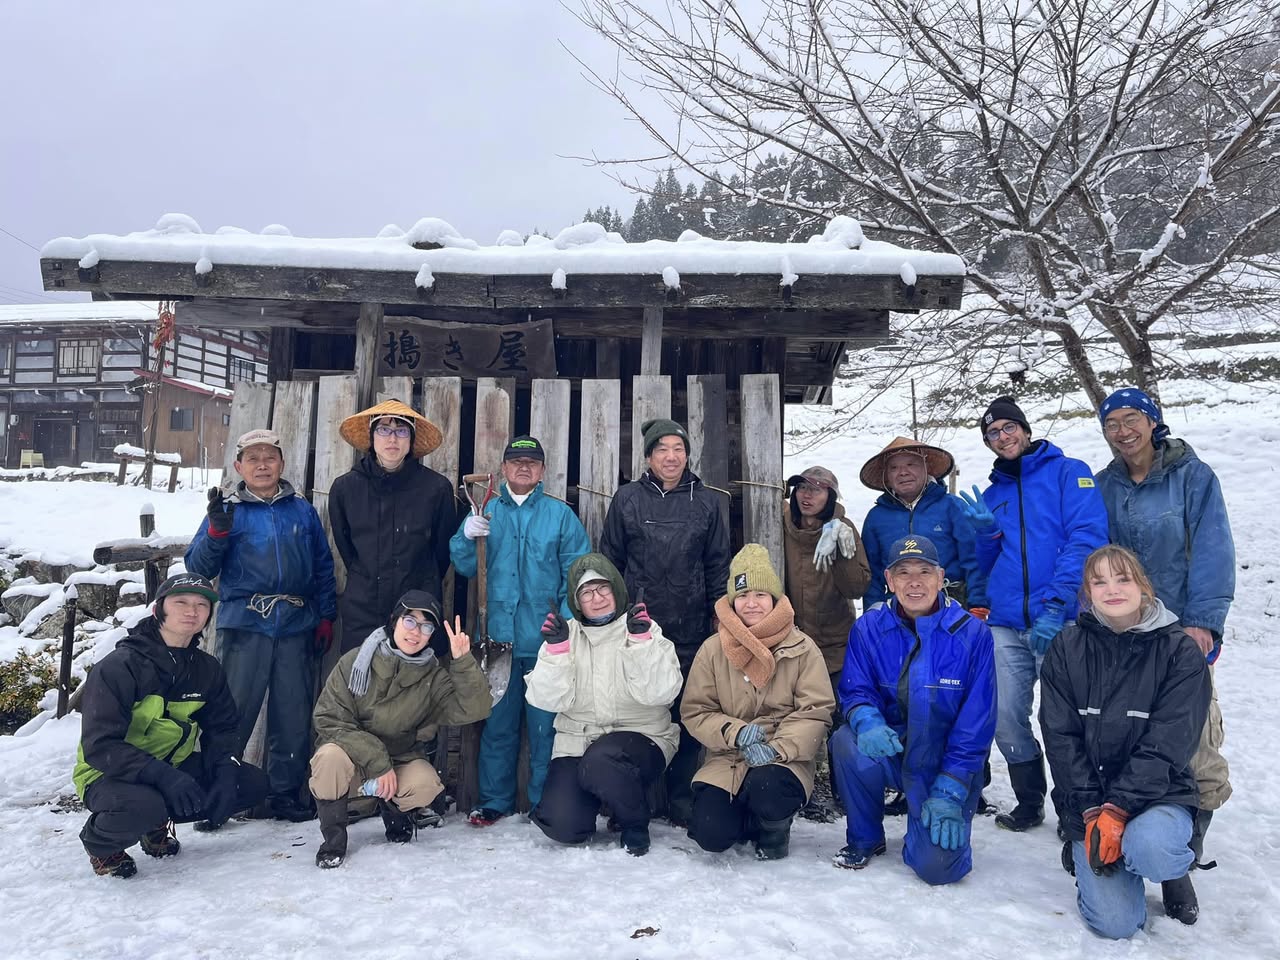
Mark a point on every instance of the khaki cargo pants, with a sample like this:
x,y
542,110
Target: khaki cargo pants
x,y
333,774
1208,764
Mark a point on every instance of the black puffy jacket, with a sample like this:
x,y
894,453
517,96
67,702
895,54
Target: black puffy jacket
x,y
392,530
1122,715
674,546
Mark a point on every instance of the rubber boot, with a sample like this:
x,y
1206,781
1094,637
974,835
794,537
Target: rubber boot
x,y
1180,901
773,840
399,825
1029,787
333,830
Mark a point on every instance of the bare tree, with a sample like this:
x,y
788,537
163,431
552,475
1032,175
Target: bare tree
x,y
1099,164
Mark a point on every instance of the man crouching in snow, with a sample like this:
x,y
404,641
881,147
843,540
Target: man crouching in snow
x,y
918,688
144,707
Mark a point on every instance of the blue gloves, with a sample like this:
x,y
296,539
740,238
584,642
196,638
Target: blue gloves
x,y
758,754
876,738
976,509
942,815
1046,627
751,733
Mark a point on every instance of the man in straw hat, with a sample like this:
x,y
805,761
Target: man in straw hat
x,y
265,545
391,516
532,539
914,499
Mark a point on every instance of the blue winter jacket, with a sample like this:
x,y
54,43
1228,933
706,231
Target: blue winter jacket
x,y
934,685
936,516
1175,520
528,552
1049,518
273,548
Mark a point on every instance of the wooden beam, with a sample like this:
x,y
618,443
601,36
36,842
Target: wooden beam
x,y
133,551
762,493
598,453
368,330
651,343
524,291
549,424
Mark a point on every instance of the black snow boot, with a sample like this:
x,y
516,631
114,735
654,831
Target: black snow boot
x,y
333,830
1029,787
773,840
1068,859
399,825
1180,901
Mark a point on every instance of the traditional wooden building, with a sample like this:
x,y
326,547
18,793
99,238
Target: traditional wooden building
x,y
74,377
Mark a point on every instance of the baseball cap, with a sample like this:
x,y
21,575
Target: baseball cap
x,y
913,547
187,583
818,476
253,437
522,447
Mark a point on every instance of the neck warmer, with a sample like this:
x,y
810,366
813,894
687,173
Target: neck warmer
x,y
749,649
379,643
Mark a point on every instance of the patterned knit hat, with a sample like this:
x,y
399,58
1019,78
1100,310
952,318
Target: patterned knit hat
x,y
1137,400
751,569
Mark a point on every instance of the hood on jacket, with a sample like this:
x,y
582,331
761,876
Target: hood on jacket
x,y
1171,454
792,522
933,490
599,563
1032,458
244,496
687,479
1157,615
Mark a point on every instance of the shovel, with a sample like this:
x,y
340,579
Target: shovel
x,y
494,657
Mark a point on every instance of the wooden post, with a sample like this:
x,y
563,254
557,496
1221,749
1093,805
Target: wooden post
x,y
396,388
549,424
250,410
598,452
334,457
368,331
442,405
69,597
762,492
651,343
292,417
650,399
151,568
708,438
173,477
124,471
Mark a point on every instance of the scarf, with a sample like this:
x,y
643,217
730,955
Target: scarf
x,y
749,649
379,643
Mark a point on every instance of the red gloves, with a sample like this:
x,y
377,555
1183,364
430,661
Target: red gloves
x,y
324,636
1103,832
980,612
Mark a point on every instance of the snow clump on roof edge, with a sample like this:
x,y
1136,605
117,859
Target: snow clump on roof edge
x,y
276,230
435,230
390,231
580,234
177,223
509,238
845,231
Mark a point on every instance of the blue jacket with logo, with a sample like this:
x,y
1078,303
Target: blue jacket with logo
x,y
936,516
1175,520
274,548
528,552
1049,518
934,684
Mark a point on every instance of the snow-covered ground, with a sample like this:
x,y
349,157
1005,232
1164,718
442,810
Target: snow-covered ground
x,y
253,891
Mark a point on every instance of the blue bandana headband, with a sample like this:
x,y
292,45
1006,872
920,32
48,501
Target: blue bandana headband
x,y
1132,397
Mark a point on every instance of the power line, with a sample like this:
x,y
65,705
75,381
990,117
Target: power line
x,y
5,287
19,239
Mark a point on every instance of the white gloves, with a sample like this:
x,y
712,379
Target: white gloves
x,y
824,552
834,534
475,526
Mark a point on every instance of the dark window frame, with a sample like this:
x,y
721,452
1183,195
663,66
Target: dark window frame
x,y
178,416
237,367
84,352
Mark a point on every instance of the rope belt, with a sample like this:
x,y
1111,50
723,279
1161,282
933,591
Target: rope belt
x,y
264,603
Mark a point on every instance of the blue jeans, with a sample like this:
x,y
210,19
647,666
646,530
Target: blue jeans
x,y
862,783
1155,848
500,744
1017,669
256,663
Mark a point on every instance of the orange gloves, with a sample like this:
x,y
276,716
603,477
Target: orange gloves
x,y
1103,831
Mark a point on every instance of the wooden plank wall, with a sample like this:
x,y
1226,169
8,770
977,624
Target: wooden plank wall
x,y
549,423
292,418
442,405
708,438
334,457
598,456
762,491
650,399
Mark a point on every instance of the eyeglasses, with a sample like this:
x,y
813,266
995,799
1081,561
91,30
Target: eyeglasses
x,y
413,625
601,592
811,488
1007,430
399,432
1131,422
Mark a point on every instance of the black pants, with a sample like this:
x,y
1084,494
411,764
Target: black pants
x,y
122,811
617,769
682,768
719,820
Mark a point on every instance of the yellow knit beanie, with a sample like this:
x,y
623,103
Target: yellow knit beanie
x,y
750,569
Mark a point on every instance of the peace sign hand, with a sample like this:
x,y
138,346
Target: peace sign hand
x,y
976,510
459,642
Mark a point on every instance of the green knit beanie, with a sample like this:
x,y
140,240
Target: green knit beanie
x,y
750,569
655,430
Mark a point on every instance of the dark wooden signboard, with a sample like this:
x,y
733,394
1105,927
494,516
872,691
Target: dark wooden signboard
x,y
409,346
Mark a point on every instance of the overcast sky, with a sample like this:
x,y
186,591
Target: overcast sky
x,y
331,117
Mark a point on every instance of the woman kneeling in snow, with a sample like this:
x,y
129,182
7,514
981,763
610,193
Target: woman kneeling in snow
x,y
762,731
1124,693
610,676
368,716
